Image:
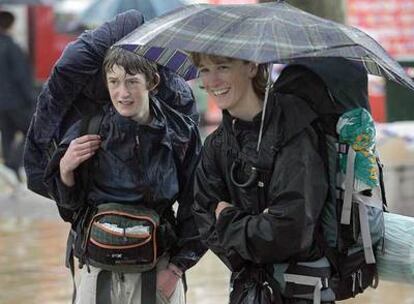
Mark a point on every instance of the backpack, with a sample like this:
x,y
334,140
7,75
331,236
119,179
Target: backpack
x,y
352,221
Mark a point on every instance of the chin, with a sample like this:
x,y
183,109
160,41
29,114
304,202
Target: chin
x,y
222,105
125,113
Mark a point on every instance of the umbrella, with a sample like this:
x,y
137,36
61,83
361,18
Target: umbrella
x,y
31,2
262,33
100,11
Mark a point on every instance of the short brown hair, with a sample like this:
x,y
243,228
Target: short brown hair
x,y
259,81
132,64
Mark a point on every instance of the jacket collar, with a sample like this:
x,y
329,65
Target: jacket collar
x,y
158,120
288,115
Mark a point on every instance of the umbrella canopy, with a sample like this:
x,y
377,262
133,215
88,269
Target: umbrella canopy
x,y
262,33
101,11
24,2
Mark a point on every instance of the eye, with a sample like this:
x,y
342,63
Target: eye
x,y
203,71
132,81
223,67
112,82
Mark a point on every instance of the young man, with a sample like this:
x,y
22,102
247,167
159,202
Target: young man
x,y
144,154
257,208
76,88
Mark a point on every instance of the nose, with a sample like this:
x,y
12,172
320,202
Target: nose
x,y
123,90
211,80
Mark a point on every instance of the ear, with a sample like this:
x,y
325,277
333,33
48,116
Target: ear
x,y
253,68
156,82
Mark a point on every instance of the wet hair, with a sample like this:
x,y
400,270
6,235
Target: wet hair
x,y
6,20
259,81
132,64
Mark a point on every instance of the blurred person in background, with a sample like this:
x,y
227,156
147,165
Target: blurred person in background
x,y
16,97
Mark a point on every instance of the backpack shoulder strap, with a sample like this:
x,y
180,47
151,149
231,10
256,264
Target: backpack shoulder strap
x,y
89,125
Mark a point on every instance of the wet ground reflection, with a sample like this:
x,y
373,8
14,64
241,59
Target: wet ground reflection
x,y
31,259
32,267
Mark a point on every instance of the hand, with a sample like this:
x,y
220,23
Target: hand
x,y
79,150
167,280
220,207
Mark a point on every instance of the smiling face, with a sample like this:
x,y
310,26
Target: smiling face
x,y
129,93
229,81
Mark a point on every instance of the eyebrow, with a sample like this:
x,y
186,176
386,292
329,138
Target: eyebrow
x,y
216,63
111,77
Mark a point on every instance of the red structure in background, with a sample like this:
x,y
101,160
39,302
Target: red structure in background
x,y
391,23
46,45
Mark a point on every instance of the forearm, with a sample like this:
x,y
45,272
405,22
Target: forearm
x,y
264,238
188,255
67,177
188,248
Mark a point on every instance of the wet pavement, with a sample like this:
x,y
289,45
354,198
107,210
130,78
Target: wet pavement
x,y
32,246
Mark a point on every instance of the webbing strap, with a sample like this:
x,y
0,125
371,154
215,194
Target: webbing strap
x,y
69,261
366,234
149,286
89,125
316,282
349,188
373,201
103,287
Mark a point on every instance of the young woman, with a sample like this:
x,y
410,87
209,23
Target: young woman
x,y
257,207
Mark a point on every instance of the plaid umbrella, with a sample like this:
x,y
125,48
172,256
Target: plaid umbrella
x,y
262,33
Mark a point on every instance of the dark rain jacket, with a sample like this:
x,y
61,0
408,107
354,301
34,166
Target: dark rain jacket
x,y
76,88
150,165
16,79
276,218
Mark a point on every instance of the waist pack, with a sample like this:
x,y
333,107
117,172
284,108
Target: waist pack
x,y
122,238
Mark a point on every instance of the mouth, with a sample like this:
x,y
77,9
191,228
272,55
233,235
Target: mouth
x,y
125,102
220,92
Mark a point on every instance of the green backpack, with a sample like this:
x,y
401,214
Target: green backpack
x,y
352,220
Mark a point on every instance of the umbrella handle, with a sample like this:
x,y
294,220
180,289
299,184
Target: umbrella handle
x,y
252,178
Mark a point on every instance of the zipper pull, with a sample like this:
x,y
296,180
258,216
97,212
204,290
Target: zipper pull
x,y
353,284
137,140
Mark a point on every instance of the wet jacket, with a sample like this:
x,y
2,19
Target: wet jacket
x,y
150,165
16,81
276,218
76,87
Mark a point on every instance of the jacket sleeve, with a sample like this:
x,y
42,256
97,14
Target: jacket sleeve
x,y
210,188
177,93
189,248
287,229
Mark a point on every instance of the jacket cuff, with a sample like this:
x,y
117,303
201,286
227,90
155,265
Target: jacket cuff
x,y
69,195
222,221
